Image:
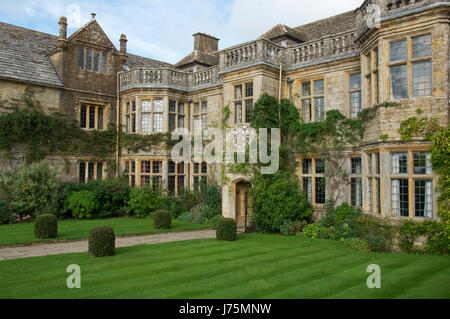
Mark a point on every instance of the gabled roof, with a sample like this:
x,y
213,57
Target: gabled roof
x,y
208,59
92,29
136,61
329,26
23,55
283,30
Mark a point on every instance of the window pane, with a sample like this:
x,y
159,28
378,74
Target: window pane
x,y
146,105
204,106
400,197
82,172
204,168
90,171
307,166
96,61
397,51
145,123
319,109
145,167
307,188
421,78
88,59
156,183
356,193
204,121
133,166
81,58
320,166
238,112
306,88
172,122
127,124
422,163
91,117
157,167
248,110
398,88
171,184
83,116
196,166
370,184
356,165
355,104
180,121
306,110
421,46
171,167
157,122
249,89
99,171
399,163
355,81
318,87
158,106
180,168
104,62
172,106
196,108
320,190
423,199
238,92
100,118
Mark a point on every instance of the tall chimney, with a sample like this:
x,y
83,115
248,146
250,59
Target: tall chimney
x,y
205,43
62,40
123,44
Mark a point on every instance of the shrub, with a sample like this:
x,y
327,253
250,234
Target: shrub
x,y
287,229
375,243
194,217
437,234
46,226
276,199
342,219
216,220
83,204
162,219
59,204
298,226
357,243
143,201
111,195
226,229
173,205
29,190
101,241
211,197
316,230
6,215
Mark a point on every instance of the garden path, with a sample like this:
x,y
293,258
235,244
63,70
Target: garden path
x,y
44,249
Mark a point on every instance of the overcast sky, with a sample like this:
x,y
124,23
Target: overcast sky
x,y
162,29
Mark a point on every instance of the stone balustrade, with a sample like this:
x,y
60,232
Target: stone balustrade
x,y
245,55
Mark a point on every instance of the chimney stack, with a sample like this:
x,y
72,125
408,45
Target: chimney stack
x,y
123,44
205,43
62,32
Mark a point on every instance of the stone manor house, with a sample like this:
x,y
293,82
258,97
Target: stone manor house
x,y
335,63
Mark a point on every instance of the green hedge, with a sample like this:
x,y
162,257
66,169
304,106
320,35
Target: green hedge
x,y
162,219
101,241
226,229
46,226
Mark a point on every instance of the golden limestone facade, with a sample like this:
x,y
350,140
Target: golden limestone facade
x,y
347,62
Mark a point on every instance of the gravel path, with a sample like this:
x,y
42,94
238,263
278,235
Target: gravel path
x,y
35,250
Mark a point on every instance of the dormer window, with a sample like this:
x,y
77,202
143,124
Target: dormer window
x,y
90,59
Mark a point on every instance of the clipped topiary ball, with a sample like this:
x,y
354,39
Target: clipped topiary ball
x,y
162,219
46,226
226,229
102,241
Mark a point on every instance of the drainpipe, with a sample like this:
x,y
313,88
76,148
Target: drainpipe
x,y
117,121
279,98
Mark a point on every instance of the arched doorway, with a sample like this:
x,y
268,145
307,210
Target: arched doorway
x,y
242,208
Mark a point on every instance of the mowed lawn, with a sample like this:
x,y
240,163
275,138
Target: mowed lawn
x,y
254,266
76,229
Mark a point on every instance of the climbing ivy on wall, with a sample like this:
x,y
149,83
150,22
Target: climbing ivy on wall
x,y
27,128
439,136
